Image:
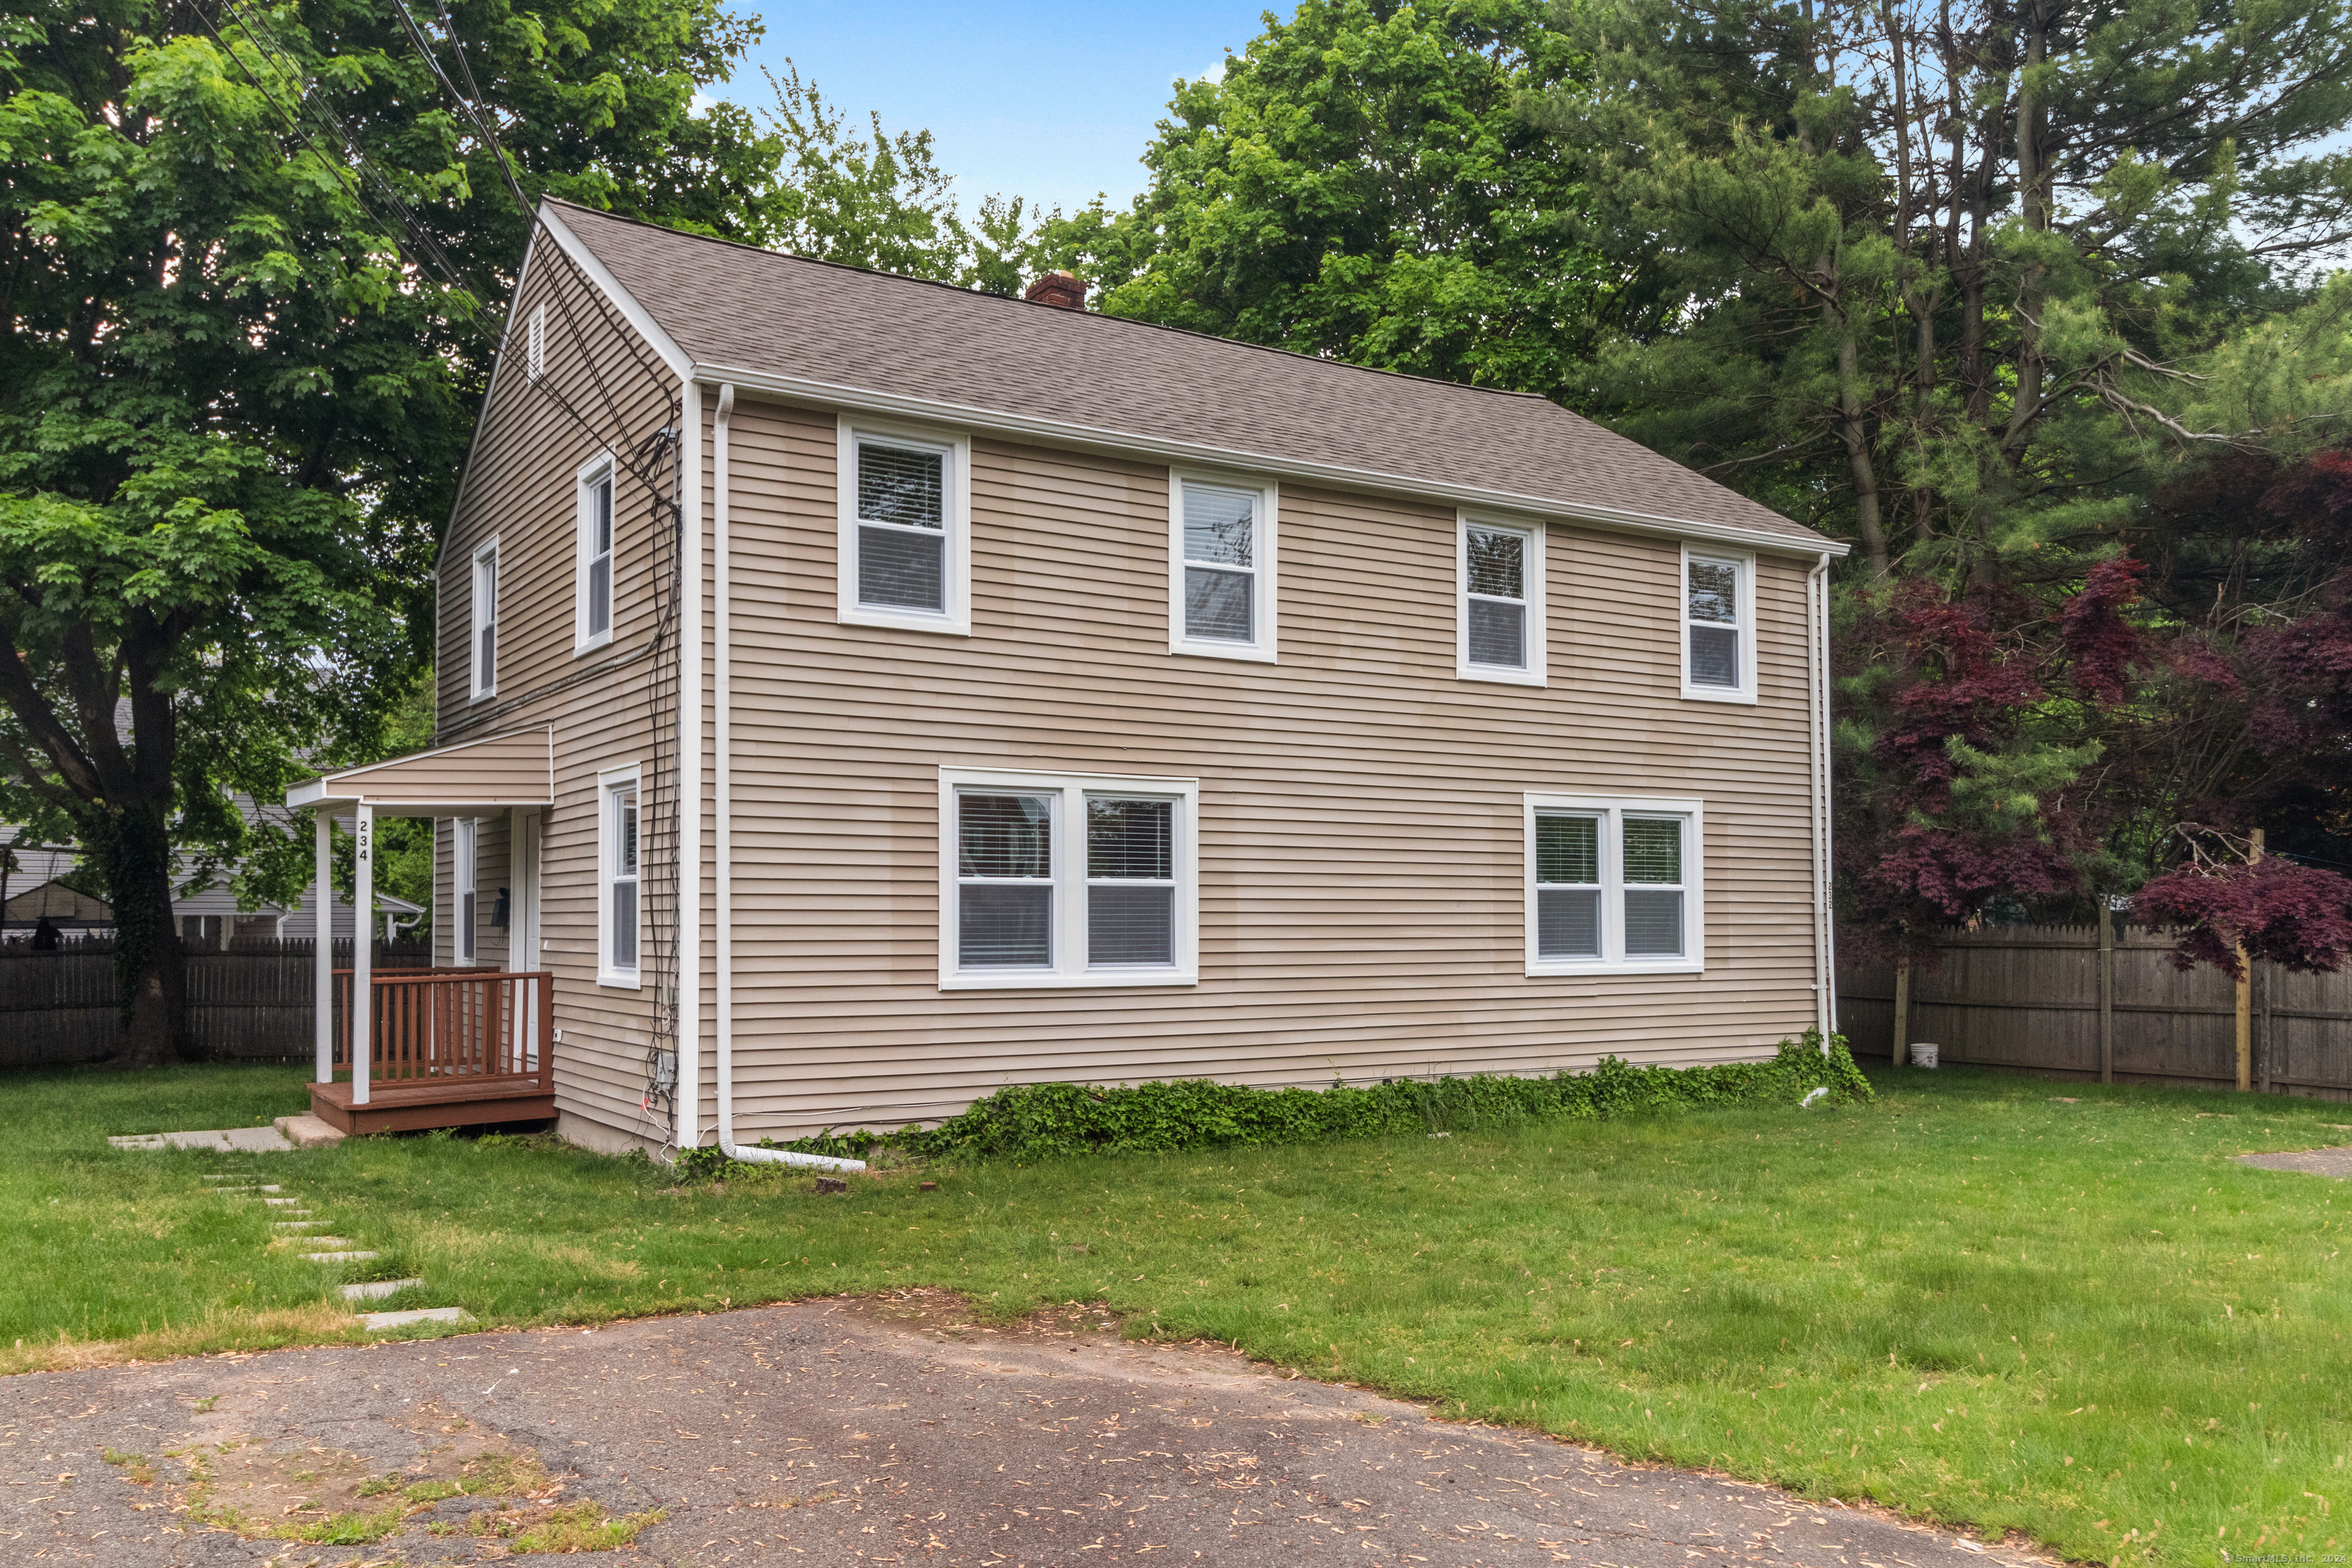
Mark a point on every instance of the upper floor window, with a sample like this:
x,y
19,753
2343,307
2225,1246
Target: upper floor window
x,y
592,587
1718,625
1499,614
617,856
485,642
1220,568
906,546
1064,879
1612,885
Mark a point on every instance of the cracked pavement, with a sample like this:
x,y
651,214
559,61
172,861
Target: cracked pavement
x,y
875,1430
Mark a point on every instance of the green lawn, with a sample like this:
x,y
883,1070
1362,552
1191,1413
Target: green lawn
x,y
1972,1300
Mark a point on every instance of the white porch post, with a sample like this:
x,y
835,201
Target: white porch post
x,y
323,922
363,947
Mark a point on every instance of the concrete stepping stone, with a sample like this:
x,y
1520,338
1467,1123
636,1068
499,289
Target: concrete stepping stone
x,y
377,1323
221,1141
281,1202
307,1131
377,1289
329,1242
296,1224
337,1256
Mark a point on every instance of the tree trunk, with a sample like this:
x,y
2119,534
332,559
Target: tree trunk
x,y
150,965
1855,431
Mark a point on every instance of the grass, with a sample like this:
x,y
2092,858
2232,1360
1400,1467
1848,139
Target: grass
x,y
1981,1300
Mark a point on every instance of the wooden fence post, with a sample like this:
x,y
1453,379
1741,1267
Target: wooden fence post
x,y
2246,996
1900,1051
2106,990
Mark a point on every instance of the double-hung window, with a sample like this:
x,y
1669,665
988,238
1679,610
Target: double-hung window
x,y
484,643
467,858
1718,625
906,528
618,913
1067,880
592,576
1499,612
1612,885
1221,566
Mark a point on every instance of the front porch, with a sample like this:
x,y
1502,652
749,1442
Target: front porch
x,y
448,1046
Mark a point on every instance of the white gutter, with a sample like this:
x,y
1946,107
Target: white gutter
x,y
859,400
723,740
687,844
1817,735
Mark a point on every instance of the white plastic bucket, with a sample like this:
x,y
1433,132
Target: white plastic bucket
x,y
1923,1054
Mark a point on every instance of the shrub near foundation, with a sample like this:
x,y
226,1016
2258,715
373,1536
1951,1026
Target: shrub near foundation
x,y
1037,1121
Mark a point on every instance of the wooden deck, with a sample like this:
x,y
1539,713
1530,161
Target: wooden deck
x,y
446,1047
414,1107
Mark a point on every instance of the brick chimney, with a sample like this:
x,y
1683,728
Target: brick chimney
x,y
1059,289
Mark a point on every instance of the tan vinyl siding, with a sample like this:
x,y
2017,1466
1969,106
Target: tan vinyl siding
x,y
514,768
1362,907
520,487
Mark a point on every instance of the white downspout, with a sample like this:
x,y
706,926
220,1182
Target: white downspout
x,y
1817,614
687,843
722,726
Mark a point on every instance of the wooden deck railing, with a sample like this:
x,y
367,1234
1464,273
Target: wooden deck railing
x,y
444,1028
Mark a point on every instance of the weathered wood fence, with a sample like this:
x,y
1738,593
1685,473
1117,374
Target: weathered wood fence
x,y
253,1002
2030,998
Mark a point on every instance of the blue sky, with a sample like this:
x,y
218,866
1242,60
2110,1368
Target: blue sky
x,y
1051,102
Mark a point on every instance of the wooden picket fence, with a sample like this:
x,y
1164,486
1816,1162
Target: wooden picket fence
x,y
2029,998
253,1002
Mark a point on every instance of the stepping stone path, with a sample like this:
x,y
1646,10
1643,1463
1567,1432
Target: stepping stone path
x,y
248,1140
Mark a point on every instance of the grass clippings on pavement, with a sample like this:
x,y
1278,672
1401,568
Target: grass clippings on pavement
x,y
1978,1299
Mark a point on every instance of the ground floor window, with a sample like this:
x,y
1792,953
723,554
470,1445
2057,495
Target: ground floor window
x,y
618,914
1612,885
1067,880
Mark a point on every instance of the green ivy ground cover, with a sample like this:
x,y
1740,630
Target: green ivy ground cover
x,y
2051,1308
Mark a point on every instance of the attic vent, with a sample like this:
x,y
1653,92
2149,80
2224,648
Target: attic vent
x,y
535,353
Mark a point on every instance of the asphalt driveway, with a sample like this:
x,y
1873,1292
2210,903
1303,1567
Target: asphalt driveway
x,y
846,1432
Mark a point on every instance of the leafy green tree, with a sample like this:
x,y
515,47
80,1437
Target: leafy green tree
x,y
237,375
882,201
1357,184
1964,282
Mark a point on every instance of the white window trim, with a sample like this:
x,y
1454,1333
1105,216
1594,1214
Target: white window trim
x,y
1070,969
955,511
1615,809
601,466
609,780
1745,561
464,871
1537,670
488,551
1267,549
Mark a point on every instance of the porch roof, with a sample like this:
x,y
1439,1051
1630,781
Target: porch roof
x,y
473,778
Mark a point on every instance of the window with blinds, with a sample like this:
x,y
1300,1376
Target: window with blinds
x,y
901,528
1719,658
1611,885
904,530
593,621
1499,606
618,857
1062,879
1220,568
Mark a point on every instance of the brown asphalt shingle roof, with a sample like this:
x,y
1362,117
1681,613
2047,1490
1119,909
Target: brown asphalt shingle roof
x,y
749,309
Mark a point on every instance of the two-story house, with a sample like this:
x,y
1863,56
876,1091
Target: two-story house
x,y
889,693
